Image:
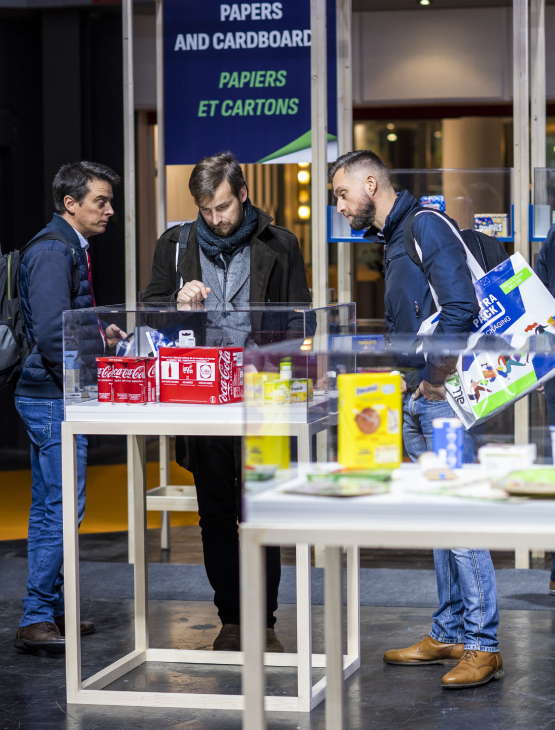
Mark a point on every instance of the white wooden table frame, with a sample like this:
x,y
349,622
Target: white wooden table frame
x,y
136,426
413,524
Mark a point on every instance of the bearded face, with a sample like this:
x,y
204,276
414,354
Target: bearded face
x,y
353,200
364,216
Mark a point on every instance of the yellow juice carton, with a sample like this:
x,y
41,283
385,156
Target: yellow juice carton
x,y
268,450
277,392
369,429
254,385
301,390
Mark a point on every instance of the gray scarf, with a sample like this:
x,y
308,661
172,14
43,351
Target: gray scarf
x,y
214,245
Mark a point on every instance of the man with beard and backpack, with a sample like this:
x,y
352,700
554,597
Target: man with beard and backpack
x,y
230,257
464,627
55,275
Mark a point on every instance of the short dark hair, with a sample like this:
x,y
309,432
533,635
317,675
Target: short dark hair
x,y
73,179
359,158
210,172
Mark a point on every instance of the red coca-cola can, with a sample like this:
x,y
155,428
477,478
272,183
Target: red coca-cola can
x,y
119,386
134,379
104,369
151,395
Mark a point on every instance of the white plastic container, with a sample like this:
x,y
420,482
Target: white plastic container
x,y
506,457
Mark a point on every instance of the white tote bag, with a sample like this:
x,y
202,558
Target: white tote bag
x,y
516,307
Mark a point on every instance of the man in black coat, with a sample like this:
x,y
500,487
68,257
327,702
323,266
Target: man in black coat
x,y
231,257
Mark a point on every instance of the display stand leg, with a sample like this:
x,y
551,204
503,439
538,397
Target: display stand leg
x,y
333,632
136,450
252,634
164,481
321,455
130,511
353,602
304,627
522,558
71,563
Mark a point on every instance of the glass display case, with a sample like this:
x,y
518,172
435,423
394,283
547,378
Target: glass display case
x,y
118,358
368,418
542,215
479,199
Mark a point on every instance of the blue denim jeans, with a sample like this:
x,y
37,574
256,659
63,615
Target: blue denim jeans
x,y
42,418
418,416
467,611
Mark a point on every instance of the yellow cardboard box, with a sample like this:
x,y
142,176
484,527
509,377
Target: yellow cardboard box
x,y
301,390
254,385
370,413
277,392
268,450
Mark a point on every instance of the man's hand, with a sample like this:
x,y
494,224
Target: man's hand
x,y
429,391
193,292
114,334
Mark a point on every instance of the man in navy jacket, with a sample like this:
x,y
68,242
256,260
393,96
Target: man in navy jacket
x,y
545,269
464,627
55,275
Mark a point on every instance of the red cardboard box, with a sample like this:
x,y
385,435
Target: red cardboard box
x,y
201,374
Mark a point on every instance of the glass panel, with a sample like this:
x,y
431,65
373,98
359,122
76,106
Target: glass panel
x,y
363,428
543,202
180,346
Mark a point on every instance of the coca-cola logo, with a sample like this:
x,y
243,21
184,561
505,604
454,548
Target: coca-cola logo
x,y
226,373
151,370
105,372
136,373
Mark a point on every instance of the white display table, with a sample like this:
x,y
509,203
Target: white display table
x,y
404,518
136,422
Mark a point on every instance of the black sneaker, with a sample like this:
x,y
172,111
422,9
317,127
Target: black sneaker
x,y
229,638
272,641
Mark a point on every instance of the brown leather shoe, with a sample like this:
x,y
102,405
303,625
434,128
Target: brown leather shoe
x,y
87,627
40,638
552,587
475,668
426,651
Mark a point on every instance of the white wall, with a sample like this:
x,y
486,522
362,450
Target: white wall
x,y
429,55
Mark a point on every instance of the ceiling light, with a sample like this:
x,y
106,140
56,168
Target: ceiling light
x,y
437,134
425,2
303,176
303,164
390,125
303,211
391,137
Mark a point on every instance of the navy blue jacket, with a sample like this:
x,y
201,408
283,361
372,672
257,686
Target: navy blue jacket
x,y
545,264
408,300
53,278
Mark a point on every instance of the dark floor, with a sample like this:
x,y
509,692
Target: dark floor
x,y
379,697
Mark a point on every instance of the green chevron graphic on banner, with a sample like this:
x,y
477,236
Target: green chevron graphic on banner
x,y
301,143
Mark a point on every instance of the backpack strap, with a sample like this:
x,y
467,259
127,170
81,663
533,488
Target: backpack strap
x,y
469,235
414,251
180,248
62,239
51,237
410,244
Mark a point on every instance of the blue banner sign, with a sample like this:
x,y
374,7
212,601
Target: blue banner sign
x,y
237,77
